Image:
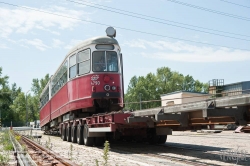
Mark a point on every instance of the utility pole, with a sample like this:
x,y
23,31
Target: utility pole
x,y
0,120
26,108
140,101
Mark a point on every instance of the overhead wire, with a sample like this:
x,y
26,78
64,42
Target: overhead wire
x,y
210,10
117,12
127,29
235,4
170,20
166,19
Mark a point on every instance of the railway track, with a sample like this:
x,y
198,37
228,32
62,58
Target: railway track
x,y
40,155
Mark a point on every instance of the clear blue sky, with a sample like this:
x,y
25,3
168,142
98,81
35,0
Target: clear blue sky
x,y
34,43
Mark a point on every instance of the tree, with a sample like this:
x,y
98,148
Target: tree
x,y
19,109
33,101
151,87
39,85
5,97
19,100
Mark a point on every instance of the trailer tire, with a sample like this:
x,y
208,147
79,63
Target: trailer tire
x,y
63,136
162,139
88,141
68,133
154,139
99,141
79,134
73,134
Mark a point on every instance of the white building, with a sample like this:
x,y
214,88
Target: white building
x,y
181,97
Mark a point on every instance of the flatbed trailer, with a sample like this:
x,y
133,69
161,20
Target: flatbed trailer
x,y
113,126
153,125
223,110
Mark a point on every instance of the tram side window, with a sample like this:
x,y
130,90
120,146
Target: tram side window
x,y
72,66
84,61
60,78
44,98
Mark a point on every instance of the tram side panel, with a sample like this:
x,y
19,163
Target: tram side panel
x,y
79,94
84,87
84,92
45,114
58,102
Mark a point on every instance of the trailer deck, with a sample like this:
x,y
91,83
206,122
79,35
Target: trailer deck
x,y
223,110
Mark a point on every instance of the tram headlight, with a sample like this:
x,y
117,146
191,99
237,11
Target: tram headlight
x,y
106,87
111,32
113,88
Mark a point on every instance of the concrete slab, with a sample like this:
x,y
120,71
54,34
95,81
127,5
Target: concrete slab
x,y
209,131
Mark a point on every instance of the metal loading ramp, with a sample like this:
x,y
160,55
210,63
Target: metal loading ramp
x,y
223,110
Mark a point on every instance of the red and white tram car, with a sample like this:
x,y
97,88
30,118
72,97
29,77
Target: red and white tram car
x,y
80,97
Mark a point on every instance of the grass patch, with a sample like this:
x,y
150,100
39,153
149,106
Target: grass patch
x,y
6,145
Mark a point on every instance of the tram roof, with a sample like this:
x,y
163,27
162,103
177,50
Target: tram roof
x,y
94,40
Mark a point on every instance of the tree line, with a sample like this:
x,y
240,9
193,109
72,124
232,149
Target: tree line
x,y
14,102
152,86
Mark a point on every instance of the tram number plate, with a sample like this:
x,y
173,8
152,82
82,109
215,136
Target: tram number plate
x,y
95,82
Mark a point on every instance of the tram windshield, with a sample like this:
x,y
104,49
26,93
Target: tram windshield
x,y
105,61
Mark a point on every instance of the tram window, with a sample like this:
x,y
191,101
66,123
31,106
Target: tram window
x,y
84,62
104,47
72,60
72,71
72,66
84,67
44,98
112,62
83,55
99,61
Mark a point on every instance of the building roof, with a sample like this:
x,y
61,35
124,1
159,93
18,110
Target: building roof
x,y
237,83
183,92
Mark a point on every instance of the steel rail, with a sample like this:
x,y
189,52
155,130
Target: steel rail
x,y
56,156
61,160
23,159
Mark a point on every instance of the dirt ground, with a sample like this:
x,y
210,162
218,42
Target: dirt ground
x,y
225,148
229,148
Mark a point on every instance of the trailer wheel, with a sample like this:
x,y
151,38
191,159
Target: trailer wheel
x,y
63,136
68,133
73,134
99,141
88,141
162,139
154,139
79,134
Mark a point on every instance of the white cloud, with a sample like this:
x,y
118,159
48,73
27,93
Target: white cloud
x,y
3,46
24,20
180,51
136,44
57,43
72,43
36,43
